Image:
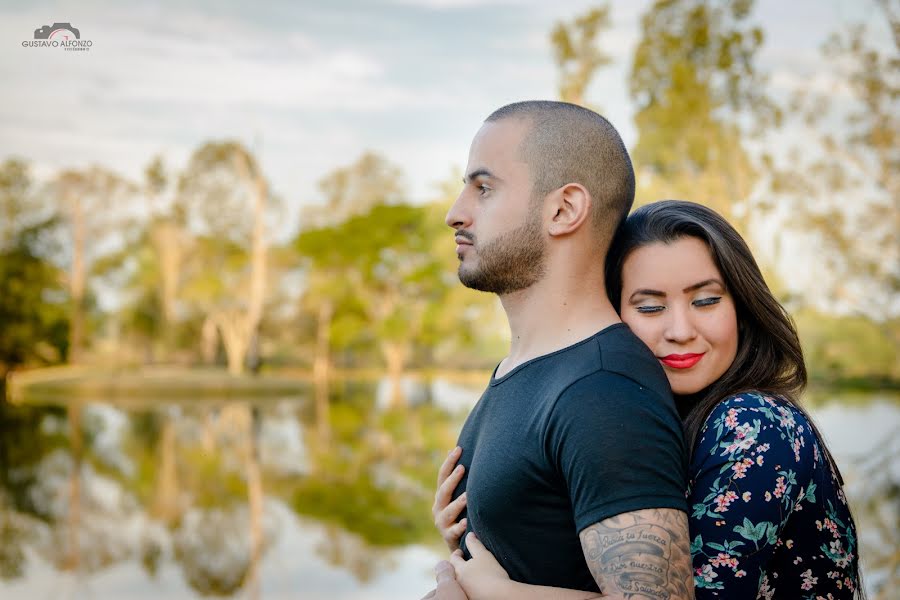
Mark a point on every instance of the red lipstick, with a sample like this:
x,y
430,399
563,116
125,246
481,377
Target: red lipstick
x,y
681,361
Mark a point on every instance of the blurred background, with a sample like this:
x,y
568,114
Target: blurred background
x,y
233,348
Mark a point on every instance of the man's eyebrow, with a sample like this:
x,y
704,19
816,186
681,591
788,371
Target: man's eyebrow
x,y
703,283
478,173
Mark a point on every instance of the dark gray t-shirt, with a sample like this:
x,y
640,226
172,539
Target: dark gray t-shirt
x,y
564,441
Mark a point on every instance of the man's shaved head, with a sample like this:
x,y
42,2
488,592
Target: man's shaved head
x,y
567,143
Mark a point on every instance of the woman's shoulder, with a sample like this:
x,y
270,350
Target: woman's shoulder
x,y
759,420
769,409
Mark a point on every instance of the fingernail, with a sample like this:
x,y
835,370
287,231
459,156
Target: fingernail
x,y
464,497
458,468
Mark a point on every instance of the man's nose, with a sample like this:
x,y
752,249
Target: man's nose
x,y
459,215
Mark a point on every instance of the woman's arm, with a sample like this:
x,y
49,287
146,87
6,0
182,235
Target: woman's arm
x,y
483,578
751,467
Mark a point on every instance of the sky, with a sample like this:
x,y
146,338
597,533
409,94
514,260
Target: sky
x,y
310,85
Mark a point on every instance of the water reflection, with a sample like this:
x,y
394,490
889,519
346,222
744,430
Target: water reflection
x,y
272,499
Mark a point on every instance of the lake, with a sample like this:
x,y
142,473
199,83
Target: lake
x,y
124,497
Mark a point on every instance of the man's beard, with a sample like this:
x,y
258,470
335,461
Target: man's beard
x,y
511,262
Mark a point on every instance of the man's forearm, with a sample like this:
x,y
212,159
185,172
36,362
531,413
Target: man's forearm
x,y
641,555
524,591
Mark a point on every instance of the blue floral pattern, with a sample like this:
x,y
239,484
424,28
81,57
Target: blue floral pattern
x,y
768,516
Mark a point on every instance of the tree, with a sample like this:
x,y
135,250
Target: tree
x,y
577,55
698,96
382,261
223,189
88,203
33,299
842,189
355,189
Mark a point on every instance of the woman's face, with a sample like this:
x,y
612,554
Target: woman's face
x,y
674,299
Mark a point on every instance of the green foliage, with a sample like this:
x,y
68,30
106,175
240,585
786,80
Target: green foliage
x,y
695,87
576,52
842,348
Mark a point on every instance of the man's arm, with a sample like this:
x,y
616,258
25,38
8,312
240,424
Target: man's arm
x,y
641,555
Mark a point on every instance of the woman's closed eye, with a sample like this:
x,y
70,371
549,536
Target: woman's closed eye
x,y
649,309
707,301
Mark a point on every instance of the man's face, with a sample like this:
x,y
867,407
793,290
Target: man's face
x,y
499,233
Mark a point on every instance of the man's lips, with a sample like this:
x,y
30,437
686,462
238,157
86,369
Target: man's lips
x,y
681,361
462,243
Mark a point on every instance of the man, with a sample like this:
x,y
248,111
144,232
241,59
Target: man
x,y
574,462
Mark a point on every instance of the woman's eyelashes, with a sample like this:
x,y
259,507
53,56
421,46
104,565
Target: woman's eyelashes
x,y
707,301
649,309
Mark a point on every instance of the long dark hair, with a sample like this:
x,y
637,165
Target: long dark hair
x,y
769,358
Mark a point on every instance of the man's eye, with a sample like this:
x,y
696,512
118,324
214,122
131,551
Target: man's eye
x,y
649,309
707,301
483,189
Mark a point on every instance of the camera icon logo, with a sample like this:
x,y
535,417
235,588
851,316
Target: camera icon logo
x,y
57,31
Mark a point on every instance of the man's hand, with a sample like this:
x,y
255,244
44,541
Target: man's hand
x,y
445,512
447,586
641,555
481,577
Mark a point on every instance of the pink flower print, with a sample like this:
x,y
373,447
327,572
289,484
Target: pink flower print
x,y
723,500
707,573
759,460
731,419
768,496
780,487
740,573
797,449
787,417
745,496
724,560
740,468
808,580
763,447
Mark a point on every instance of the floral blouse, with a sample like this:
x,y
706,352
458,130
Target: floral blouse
x,y
769,518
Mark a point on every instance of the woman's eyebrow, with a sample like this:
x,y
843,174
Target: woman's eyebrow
x,y
703,283
646,292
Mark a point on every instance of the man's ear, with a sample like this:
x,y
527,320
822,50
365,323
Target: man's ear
x,y
571,206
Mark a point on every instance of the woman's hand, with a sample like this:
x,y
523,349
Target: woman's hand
x,y
445,512
481,577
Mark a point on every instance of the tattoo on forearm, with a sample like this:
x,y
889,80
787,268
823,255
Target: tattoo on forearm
x,y
641,555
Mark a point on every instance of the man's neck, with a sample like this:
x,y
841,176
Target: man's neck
x,y
552,315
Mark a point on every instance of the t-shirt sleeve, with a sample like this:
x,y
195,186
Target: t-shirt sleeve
x,y
619,448
750,469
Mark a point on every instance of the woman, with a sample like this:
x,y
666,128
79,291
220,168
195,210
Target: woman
x,y
769,518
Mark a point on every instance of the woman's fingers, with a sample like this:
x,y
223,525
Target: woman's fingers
x,y
445,490
474,545
447,465
450,513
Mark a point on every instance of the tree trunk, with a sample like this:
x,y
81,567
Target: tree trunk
x,y
210,340
255,500
77,282
71,559
236,332
167,242
395,354
321,368
238,329
166,506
